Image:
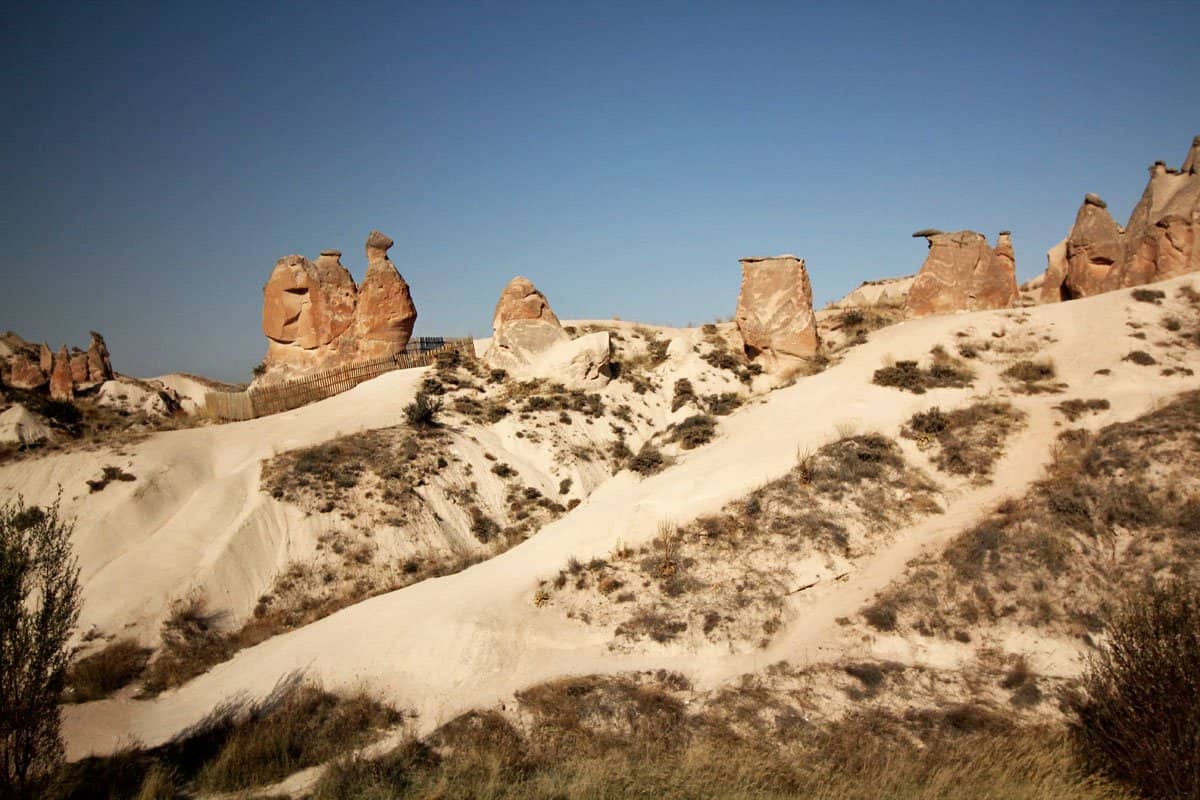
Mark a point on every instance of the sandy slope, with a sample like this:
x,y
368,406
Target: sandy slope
x,y
449,644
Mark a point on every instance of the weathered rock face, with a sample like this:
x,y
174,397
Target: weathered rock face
x,y
961,273
521,300
774,309
315,317
1159,241
19,425
529,342
386,314
24,373
62,384
45,358
98,361
79,367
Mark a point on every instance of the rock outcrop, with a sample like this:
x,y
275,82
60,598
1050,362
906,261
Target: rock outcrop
x,y
34,367
62,382
20,426
774,310
529,342
315,317
962,273
1158,242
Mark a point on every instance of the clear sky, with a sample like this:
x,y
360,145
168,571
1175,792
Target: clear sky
x,y
159,157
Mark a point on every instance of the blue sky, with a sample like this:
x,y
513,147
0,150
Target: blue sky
x,y
159,157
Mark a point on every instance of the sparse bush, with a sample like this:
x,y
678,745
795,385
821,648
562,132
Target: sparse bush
x,y
39,605
1141,358
684,394
192,642
695,431
503,470
881,615
945,373
722,404
1031,371
648,460
423,410
483,526
1075,408
105,671
108,475
1148,295
1138,717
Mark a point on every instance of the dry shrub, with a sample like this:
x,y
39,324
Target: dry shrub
x,y
1138,716
908,376
695,431
103,672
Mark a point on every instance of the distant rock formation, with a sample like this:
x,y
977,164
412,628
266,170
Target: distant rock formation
x,y
37,367
1158,242
774,309
315,317
885,293
529,342
20,426
961,273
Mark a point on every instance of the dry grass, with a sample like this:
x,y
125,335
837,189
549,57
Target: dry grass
x,y
105,671
1114,509
967,441
1032,377
616,738
945,372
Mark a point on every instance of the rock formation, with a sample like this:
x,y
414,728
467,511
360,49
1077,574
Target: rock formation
x,y
20,426
1158,242
33,367
62,383
529,342
774,309
961,273
386,313
521,300
315,317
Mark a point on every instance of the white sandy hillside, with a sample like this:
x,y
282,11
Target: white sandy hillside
x,y
446,645
185,513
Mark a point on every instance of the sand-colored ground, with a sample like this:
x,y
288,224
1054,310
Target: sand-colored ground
x,y
449,644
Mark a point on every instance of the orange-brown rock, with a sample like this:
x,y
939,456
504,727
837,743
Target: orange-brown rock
x,y
386,314
79,367
315,317
25,373
520,299
62,385
774,309
1158,242
961,273
99,364
45,358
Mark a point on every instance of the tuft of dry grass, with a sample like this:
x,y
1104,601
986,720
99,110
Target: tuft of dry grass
x,y
968,440
100,674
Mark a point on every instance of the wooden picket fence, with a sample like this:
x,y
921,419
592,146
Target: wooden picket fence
x,y
260,401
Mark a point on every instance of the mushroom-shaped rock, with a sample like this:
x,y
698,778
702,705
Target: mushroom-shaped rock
x,y
520,300
961,273
62,387
307,304
386,313
774,309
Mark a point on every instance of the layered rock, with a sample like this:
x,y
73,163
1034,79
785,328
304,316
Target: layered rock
x,y
20,426
774,309
962,273
1157,243
98,361
315,317
529,342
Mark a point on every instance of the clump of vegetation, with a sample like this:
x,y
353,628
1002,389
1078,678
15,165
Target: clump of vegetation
x,y
100,674
684,394
1138,717
423,410
1141,358
1075,408
694,431
1148,296
240,746
192,642
968,440
108,475
1032,376
945,373
722,404
648,460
